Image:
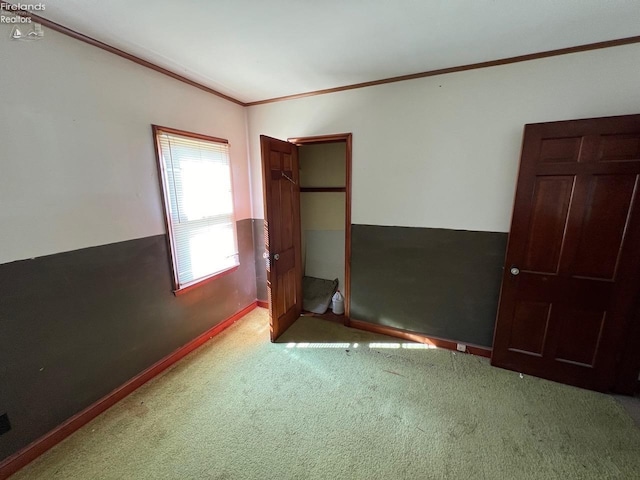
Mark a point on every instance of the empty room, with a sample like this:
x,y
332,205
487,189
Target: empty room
x,y
284,239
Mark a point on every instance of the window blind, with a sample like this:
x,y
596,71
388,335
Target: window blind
x,y
196,178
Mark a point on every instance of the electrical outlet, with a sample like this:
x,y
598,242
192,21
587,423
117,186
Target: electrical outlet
x,y
461,347
5,425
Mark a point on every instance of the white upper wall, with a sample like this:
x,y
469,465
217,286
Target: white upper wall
x,y
443,152
77,165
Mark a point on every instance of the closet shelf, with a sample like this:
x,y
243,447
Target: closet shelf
x,y
323,189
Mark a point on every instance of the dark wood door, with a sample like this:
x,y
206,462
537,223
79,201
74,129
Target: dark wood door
x,y
282,232
572,271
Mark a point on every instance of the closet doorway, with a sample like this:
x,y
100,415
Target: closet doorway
x,y
325,212
316,242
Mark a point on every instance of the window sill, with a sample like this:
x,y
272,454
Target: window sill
x,y
203,281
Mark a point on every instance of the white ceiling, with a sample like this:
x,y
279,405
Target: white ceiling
x,y
258,49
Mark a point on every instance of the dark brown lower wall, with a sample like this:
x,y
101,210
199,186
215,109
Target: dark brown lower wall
x,y
438,282
76,325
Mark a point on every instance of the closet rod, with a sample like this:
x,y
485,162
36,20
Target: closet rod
x,y
323,189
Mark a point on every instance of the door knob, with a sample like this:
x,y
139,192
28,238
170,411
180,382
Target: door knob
x,y
276,256
515,270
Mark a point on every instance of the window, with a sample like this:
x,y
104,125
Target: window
x,y
195,176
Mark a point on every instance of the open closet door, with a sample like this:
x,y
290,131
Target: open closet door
x,y
280,174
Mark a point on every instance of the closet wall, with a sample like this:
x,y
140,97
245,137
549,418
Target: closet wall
x,y
323,213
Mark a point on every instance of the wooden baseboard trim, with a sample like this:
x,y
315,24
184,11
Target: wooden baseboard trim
x,y
418,337
15,462
263,304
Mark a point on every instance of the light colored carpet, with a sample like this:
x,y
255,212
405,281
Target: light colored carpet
x,y
318,406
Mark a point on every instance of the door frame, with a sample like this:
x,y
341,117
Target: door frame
x,y
347,138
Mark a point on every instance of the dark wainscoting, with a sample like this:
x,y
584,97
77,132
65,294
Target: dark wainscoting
x,y
76,325
438,282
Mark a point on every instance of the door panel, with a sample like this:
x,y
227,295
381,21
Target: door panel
x,y
619,147
551,204
529,328
282,232
572,273
580,333
599,248
555,150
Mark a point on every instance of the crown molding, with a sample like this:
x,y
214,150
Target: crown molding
x,y
461,68
402,78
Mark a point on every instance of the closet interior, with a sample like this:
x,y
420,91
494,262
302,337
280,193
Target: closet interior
x,y
323,205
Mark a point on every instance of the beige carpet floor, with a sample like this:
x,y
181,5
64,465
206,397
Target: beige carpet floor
x,y
335,403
